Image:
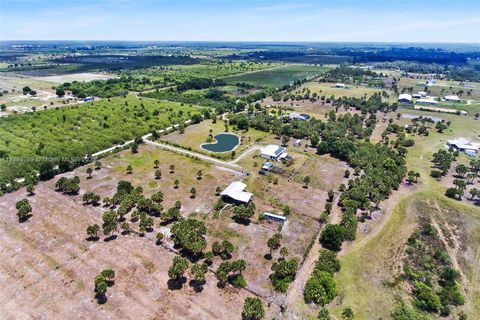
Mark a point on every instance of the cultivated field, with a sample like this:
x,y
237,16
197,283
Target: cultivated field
x,y
354,91
68,132
277,77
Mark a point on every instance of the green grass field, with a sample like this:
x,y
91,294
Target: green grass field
x,y
197,134
443,88
277,77
371,262
201,70
354,91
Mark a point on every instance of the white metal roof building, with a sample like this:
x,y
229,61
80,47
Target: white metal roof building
x,y
340,85
274,217
235,192
462,144
453,98
428,101
273,152
298,116
405,98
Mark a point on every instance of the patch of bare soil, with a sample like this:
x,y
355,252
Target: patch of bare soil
x,y
47,266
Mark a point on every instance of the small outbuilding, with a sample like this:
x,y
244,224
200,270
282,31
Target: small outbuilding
x,y
274,217
267,166
235,193
340,85
426,101
298,116
452,98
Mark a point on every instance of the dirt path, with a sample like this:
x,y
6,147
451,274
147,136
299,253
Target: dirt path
x,y
295,292
452,252
194,154
245,153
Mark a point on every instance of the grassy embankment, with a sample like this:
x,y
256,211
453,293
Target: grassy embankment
x,y
374,259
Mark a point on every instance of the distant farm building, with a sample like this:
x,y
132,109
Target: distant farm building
x,y
340,85
405,98
274,152
298,116
464,145
87,99
452,98
422,93
416,96
235,193
426,101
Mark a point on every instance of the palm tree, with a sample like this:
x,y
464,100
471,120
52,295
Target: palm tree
x,y
129,169
89,172
474,192
98,165
156,163
176,183
306,180
172,168
193,192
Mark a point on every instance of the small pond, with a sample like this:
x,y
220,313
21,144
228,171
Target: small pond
x,y
224,142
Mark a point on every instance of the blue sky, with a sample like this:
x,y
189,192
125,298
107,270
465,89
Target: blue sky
x,y
242,20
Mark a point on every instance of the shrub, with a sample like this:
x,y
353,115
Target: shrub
x,y
332,237
426,299
436,174
320,288
327,261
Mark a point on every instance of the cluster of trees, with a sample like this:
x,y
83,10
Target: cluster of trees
x,y
223,249
232,272
102,281
379,170
50,136
68,185
213,98
91,198
284,271
320,287
105,88
125,199
200,83
243,214
345,73
465,175
429,269
28,90
189,234
443,161
253,309
23,209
